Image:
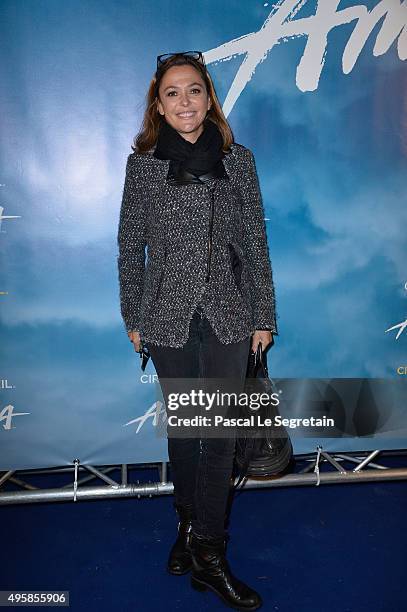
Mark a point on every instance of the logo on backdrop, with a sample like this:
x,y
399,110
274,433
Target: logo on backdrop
x,y
4,384
280,26
401,369
153,413
400,326
6,416
2,217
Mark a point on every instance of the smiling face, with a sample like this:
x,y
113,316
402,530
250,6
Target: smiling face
x,y
184,101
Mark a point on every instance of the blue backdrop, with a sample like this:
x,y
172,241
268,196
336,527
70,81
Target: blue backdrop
x,y
316,90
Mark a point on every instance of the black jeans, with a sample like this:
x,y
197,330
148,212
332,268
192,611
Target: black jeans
x,y
202,467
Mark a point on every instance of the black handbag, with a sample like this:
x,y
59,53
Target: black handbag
x,y
263,451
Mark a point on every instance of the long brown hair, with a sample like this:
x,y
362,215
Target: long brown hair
x,y
146,139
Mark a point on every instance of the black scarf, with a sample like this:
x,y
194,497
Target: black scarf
x,y
199,157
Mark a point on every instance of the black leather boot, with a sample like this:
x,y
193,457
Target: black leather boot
x,y
211,571
180,560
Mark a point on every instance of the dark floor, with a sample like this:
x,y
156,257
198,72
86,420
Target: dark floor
x,y
331,548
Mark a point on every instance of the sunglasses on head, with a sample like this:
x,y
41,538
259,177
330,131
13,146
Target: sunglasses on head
x,y
197,55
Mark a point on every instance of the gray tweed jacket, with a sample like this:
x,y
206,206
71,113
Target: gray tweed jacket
x,y
206,244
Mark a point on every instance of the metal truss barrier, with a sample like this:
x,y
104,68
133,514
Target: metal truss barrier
x,y
316,468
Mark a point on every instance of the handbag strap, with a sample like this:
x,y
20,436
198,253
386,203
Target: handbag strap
x,y
260,361
248,457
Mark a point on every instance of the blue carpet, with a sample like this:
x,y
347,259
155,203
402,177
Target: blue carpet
x,y
332,548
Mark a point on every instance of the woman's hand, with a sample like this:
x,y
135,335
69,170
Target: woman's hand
x,y
264,336
135,339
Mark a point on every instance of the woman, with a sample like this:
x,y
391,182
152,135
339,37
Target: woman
x,y
204,298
